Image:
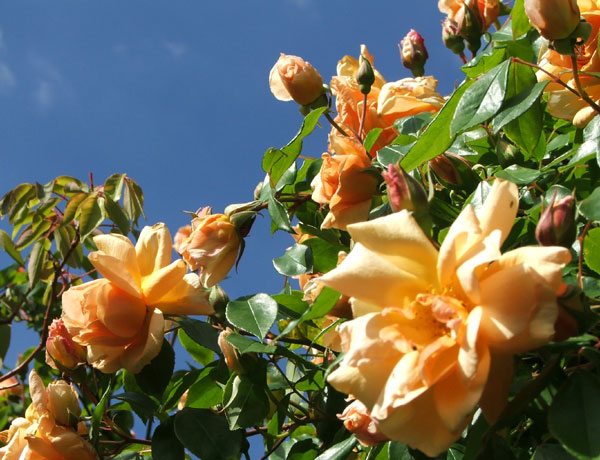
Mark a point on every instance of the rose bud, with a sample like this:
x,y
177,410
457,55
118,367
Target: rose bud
x,y
358,420
453,41
63,403
232,356
413,53
554,19
212,247
404,192
292,78
470,25
61,351
454,171
365,77
556,226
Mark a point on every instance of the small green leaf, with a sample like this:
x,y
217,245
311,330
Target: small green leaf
x,y
339,451
279,215
116,214
484,62
113,186
142,405
154,377
9,247
91,215
398,451
205,393
412,124
245,403
482,100
518,105
37,259
574,416
590,207
519,174
165,444
591,249
200,353
98,414
325,254
297,260
437,136
200,332
371,138
72,207
133,200
591,141
520,21
206,434
255,314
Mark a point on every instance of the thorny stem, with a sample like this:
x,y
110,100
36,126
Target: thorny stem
x,y
580,238
57,270
582,92
335,125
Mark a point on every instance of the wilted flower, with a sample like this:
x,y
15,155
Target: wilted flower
x,y
562,103
61,349
293,78
428,325
211,247
343,184
358,420
40,434
554,19
556,226
413,53
120,318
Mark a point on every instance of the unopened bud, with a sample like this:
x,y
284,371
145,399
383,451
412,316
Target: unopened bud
x,y
357,419
470,25
63,403
61,351
218,299
405,192
556,226
413,53
232,356
365,77
453,41
454,171
554,19
507,153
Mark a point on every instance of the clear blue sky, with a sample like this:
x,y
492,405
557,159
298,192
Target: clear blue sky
x,y
175,94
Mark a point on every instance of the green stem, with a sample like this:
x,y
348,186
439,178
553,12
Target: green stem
x,y
335,125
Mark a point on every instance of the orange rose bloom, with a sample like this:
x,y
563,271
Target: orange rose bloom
x,y
212,246
293,78
343,184
562,103
40,435
120,318
403,98
554,19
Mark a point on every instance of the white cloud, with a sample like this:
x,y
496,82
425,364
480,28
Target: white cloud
x,y
7,78
50,83
44,95
175,49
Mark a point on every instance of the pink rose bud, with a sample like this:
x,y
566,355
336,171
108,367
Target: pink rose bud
x,y
556,226
232,356
60,348
554,19
357,419
413,53
453,41
292,78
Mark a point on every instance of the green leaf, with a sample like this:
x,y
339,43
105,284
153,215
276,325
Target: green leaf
x,y
245,403
200,353
552,452
91,215
519,174
113,186
4,340
590,207
520,21
98,414
247,345
437,136
36,260
154,377
303,450
297,260
398,451
179,384
482,100
517,105
484,62
392,154
9,247
276,162
279,215
72,207
200,332
116,214
165,444
574,416
206,434
205,393
591,249
591,141
526,129
371,138
339,451
412,124
133,200
325,254
255,314
143,406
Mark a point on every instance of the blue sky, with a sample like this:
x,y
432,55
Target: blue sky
x,y
175,94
